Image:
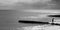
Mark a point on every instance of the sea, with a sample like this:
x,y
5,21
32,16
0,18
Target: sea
x,y
9,19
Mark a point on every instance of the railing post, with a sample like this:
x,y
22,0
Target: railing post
x,y
52,21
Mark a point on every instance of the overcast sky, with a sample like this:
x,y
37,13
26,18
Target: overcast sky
x,y
29,4
26,4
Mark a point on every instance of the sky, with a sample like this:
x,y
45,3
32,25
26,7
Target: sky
x,y
29,1
29,4
8,1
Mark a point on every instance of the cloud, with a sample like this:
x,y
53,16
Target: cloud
x,y
8,2
33,1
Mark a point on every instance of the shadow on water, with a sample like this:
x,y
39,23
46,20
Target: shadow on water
x,y
32,22
37,22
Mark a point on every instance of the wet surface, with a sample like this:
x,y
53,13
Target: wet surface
x,y
41,27
9,19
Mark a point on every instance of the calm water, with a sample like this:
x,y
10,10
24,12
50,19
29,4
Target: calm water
x,y
9,19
